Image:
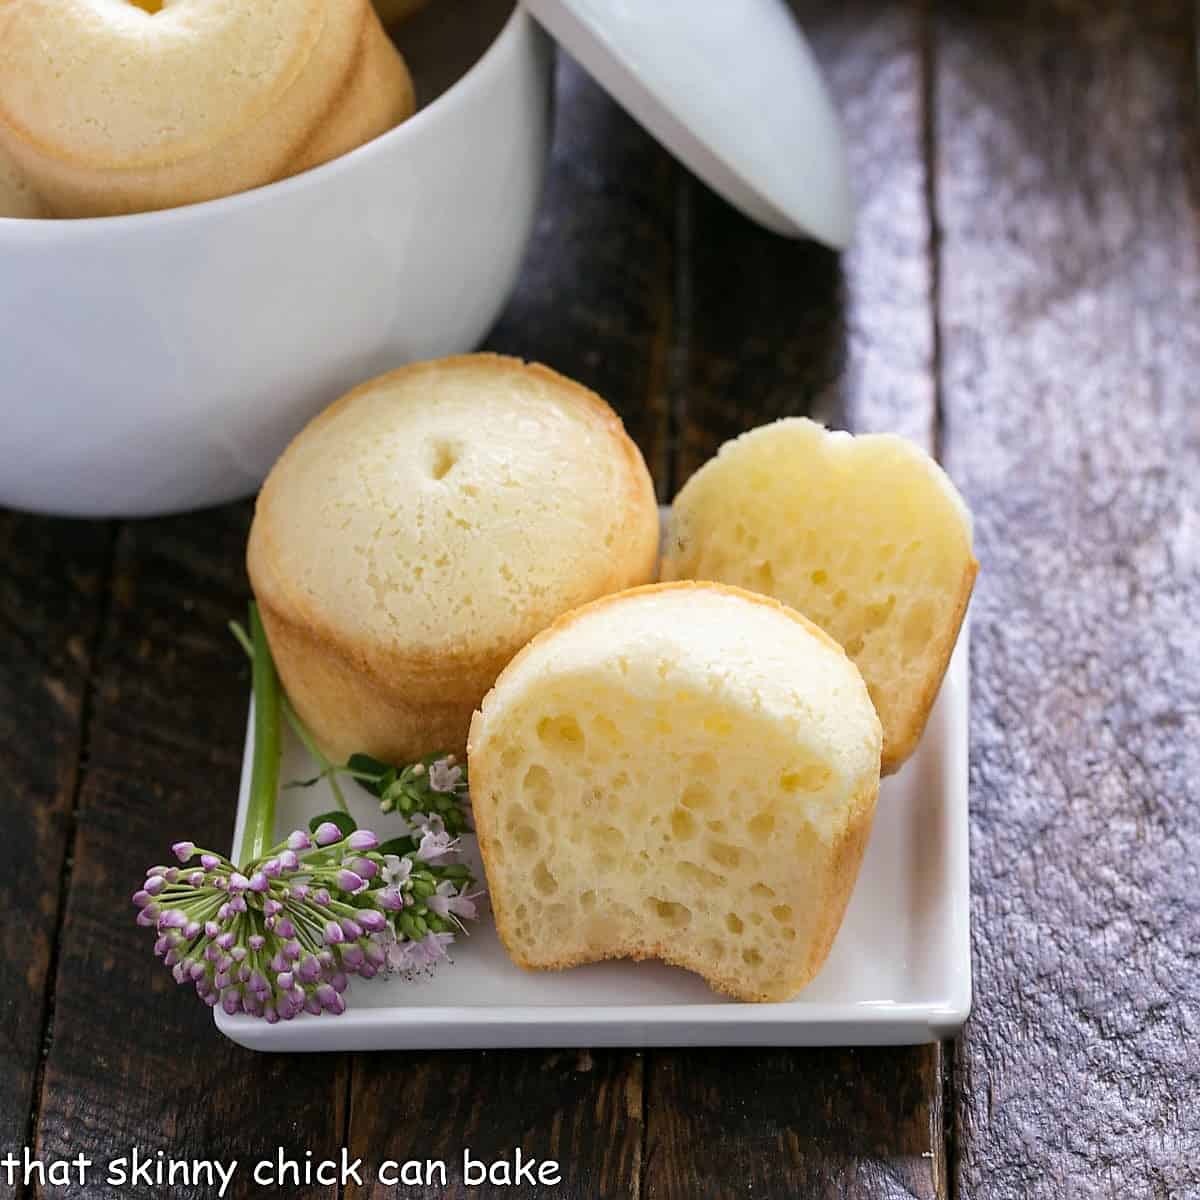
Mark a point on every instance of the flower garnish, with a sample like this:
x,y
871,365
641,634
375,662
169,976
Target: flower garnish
x,y
283,933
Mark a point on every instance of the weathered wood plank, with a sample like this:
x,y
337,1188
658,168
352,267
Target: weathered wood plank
x,y
51,598
135,1061
821,1124
770,328
1071,286
594,298
582,1109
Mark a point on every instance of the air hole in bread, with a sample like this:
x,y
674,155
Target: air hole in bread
x,y
752,957
683,824
762,824
543,880
734,923
539,791
811,777
762,891
587,901
607,730
608,838
443,457
782,913
678,916
696,795
698,874
724,853
561,733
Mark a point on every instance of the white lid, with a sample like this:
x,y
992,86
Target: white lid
x,y
731,88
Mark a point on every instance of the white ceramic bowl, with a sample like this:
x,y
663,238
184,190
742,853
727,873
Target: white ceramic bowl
x,y
160,362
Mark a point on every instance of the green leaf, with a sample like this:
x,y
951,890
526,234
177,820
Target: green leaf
x,y
345,823
370,773
398,846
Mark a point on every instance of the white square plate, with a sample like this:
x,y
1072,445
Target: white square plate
x,y
899,972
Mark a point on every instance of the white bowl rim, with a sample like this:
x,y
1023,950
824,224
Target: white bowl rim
x,y
130,223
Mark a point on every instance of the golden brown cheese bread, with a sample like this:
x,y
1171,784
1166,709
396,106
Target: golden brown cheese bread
x,y
108,106
865,535
392,12
17,198
685,772
421,530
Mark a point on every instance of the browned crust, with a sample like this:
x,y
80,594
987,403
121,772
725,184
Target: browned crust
x,y
375,94
677,585
391,677
318,111
286,79
900,742
847,852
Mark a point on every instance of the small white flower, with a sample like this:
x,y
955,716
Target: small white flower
x,y
431,949
396,870
444,776
428,823
447,901
434,846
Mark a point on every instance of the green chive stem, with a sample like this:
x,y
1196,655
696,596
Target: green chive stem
x,y
259,833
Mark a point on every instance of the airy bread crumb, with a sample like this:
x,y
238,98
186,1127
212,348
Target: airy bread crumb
x,y
685,772
865,535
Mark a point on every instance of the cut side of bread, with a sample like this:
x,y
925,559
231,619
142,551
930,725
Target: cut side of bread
x,y
866,536
684,772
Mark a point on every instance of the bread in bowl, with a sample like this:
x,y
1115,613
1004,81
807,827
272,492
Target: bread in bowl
x,y
110,107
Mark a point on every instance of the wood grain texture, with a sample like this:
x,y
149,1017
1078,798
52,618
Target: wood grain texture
x,y
1067,193
134,1060
818,1124
594,297
51,597
769,328
582,1109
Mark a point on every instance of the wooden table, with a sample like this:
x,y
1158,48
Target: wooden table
x,y
1022,297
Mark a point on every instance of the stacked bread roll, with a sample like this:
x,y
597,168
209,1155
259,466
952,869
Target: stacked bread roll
x,y
421,530
107,106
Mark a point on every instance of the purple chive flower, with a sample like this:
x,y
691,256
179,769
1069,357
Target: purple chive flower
x,y
348,881
281,938
184,850
364,868
362,839
327,833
